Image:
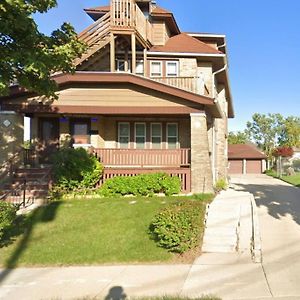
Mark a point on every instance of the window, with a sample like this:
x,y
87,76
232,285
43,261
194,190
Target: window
x,y
156,68
121,65
156,135
172,69
139,67
80,129
124,134
172,135
140,135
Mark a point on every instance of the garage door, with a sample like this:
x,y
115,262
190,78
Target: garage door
x,y
254,167
235,167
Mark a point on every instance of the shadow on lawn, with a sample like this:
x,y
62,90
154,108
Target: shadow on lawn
x,y
25,226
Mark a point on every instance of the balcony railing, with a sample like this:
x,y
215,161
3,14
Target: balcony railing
x,y
127,15
191,84
144,157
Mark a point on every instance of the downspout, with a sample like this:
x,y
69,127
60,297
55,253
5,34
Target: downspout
x,y
214,154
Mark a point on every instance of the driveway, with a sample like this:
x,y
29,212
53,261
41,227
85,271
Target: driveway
x,y
279,216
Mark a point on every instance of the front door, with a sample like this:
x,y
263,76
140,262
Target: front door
x,y
48,137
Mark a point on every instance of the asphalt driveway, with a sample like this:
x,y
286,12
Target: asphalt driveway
x,y
279,216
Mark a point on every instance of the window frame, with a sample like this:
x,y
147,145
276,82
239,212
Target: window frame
x,y
177,135
151,135
161,68
177,68
145,135
120,60
119,135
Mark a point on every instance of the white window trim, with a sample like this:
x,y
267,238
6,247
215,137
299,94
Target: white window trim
x,y
119,131
161,68
141,61
145,132
161,136
167,136
177,68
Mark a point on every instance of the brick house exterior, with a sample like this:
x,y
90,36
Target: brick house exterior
x,y
146,96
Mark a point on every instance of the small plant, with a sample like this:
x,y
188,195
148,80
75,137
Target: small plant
x,y
74,169
179,227
7,217
221,185
141,185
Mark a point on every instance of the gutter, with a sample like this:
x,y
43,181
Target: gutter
x,y
186,54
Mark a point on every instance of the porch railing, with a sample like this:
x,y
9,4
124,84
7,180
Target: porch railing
x,y
191,84
144,157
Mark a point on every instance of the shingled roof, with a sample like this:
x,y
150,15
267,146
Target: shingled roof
x,y
183,43
244,151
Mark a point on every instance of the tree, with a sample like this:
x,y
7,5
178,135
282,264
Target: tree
x,y
28,56
265,130
283,151
290,135
237,138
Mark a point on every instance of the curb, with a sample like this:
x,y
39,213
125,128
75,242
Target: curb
x,y
255,239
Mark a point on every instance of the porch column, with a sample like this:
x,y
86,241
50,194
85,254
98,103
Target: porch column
x,y
112,53
202,178
133,51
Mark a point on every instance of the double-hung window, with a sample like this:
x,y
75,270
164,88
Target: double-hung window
x,y
140,135
156,135
124,134
172,69
156,69
172,135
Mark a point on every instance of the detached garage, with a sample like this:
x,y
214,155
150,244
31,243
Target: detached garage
x,y
246,159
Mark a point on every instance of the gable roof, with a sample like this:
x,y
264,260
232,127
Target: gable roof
x,y
159,10
245,151
183,43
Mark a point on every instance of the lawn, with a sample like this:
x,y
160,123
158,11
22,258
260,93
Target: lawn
x,y
294,179
93,231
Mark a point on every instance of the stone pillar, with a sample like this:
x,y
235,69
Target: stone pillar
x,y
202,179
12,134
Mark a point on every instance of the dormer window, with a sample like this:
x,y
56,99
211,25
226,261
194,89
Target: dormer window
x,y
156,69
172,69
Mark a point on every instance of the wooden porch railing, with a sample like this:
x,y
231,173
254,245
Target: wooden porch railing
x,y
191,84
144,157
127,15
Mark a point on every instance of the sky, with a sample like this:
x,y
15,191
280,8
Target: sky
x,y
263,43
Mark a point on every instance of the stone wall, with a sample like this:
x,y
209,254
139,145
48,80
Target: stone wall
x,y
11,137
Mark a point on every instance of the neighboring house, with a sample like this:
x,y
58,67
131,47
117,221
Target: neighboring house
x,y
296,155
246,159
146,96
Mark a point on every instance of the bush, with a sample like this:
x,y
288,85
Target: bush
x,y
296,164
7,217
220,185
141,185
179,227
75,169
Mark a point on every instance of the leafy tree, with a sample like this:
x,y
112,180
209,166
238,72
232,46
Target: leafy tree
x,y
290,135
237,138
28,56
265,130
283,151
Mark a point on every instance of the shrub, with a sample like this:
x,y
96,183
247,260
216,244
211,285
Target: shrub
x,y
75,169
7,217
141,185
296,164
179,227
220,185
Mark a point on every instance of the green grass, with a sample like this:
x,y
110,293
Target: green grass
x,y
85,232
294,179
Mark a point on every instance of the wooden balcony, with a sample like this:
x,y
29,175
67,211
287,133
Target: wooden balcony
x,y
139,158
125,14
191,84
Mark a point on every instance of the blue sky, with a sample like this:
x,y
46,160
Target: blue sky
x,y
263,40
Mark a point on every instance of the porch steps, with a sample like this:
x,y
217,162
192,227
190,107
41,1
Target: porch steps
x,y
37,184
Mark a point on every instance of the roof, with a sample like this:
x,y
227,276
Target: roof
x,y
105,8
244,151
160,10
183,43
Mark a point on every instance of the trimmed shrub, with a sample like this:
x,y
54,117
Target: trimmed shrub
x,y
141,185
179,227
75,169
7,217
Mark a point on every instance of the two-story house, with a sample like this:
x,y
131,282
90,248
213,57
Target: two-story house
x,y
146,96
